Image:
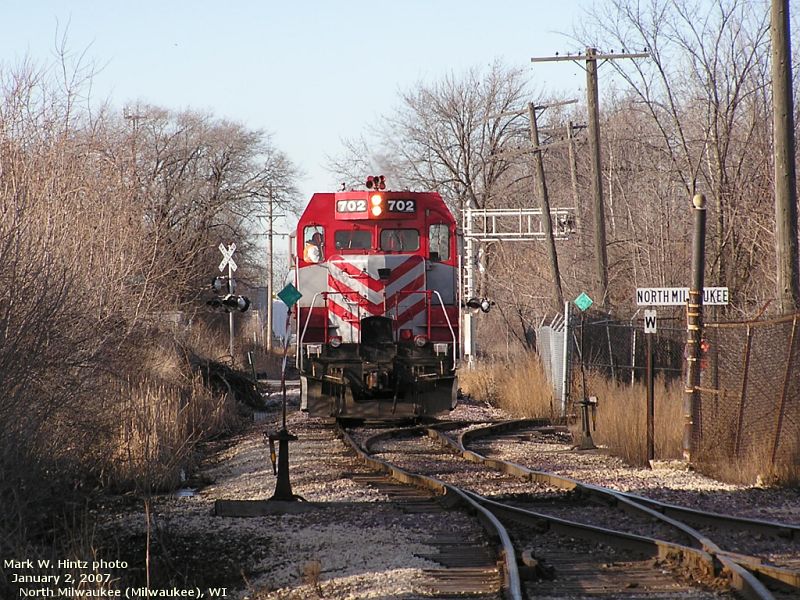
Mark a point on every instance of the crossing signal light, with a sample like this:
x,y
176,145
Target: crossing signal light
x,y
240,303
230,303
483,303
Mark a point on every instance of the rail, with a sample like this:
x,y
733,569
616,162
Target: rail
x,y
746,571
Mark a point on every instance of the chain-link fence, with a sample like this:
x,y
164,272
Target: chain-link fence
x,y
618,348
750,392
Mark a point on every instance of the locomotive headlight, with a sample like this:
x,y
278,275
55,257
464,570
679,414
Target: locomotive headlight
x,y
335,341
420,341
376,205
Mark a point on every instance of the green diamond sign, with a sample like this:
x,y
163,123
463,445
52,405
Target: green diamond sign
x,y
289,295
583,301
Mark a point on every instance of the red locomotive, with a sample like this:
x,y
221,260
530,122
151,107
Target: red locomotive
x,y
377,323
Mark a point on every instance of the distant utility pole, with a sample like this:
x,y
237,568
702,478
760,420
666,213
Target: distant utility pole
x,y
788,279
590,58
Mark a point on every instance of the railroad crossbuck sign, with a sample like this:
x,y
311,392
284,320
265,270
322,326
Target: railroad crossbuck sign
x,y
227,257
678,296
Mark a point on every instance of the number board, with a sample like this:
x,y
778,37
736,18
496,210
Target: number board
x,y
404,206
401,206
351,206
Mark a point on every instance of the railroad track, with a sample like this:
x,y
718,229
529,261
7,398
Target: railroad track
x,y
643,551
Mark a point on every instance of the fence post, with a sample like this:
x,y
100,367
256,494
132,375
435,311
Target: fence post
x,y
567,370
779,425
650,401
694,328
743,394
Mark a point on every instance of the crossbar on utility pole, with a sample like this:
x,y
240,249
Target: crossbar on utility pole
x,y
590,57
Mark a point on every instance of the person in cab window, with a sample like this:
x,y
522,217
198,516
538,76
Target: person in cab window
x,y
312,252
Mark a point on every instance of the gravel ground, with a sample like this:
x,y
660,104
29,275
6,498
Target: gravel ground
x,y
356,544
668,481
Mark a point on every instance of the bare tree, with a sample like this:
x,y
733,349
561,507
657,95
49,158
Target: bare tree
x,y
703,91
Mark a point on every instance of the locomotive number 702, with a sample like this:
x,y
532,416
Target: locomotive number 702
x,y
405,206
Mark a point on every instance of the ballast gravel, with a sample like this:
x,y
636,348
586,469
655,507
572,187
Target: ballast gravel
x,y
356,543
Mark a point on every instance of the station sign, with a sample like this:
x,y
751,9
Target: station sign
x,y
712,296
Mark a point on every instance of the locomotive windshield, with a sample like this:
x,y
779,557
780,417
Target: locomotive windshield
x,y
439,241
399,240
352,240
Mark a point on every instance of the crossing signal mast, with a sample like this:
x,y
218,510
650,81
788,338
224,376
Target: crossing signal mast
x,y
229,302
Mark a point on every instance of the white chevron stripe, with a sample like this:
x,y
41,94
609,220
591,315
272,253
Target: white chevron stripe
x,y
347,283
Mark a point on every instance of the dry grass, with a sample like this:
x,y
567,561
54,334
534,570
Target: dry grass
x,y
158,430
310,573
520,387
754,463
621,419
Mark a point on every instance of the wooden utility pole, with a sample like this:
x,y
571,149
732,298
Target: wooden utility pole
x,y
547,222
786,250
590,58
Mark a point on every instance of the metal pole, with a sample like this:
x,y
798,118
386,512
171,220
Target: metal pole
x,y
650,400
469,276
230,314
268,333
694,329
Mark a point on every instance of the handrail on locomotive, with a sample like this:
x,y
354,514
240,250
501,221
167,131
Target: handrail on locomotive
x,y
325,295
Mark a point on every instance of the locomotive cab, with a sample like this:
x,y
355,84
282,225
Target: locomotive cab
x,y
377,324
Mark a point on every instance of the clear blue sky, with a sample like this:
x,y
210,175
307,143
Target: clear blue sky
x,y
309,72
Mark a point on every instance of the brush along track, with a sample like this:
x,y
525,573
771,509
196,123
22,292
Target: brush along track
x,y
609,564
768,550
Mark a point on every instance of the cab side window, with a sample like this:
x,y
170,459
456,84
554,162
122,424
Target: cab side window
x,y
439,236
314,243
